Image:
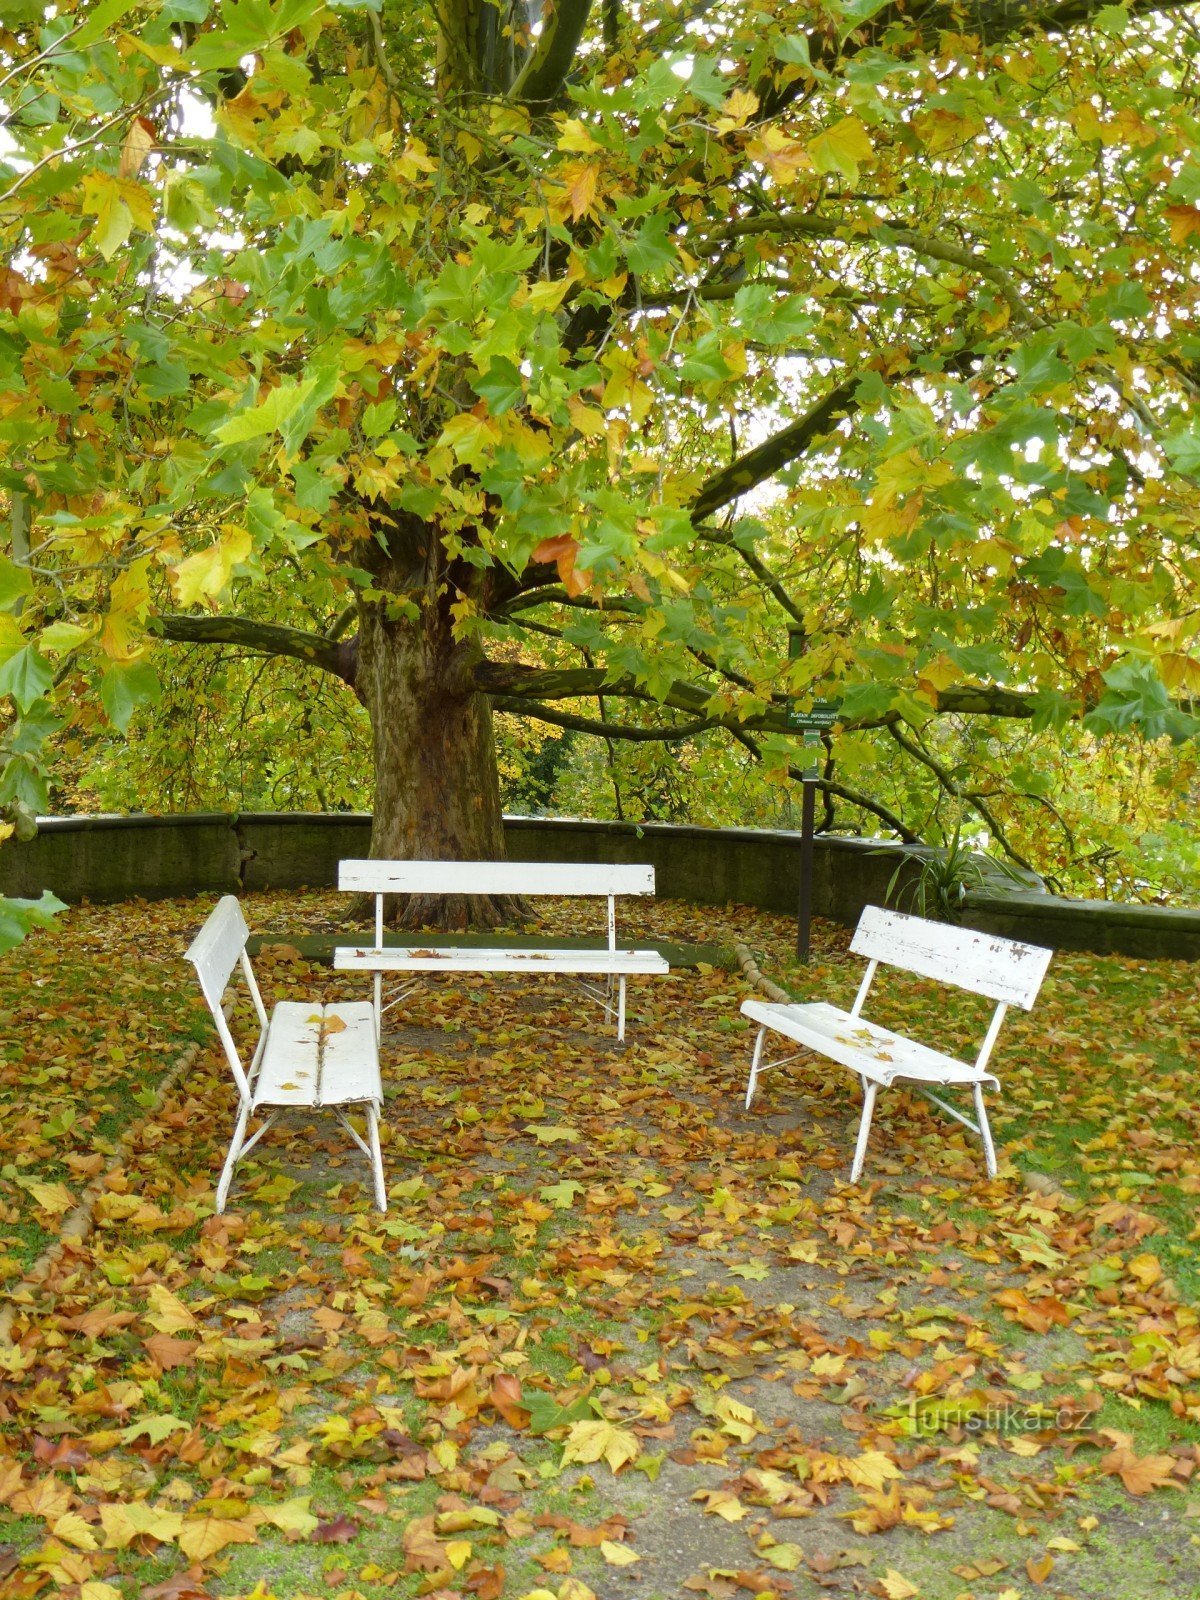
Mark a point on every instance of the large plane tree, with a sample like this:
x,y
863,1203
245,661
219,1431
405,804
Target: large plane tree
x,y
637,367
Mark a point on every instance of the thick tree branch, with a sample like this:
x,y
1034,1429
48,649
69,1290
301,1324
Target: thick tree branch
x,y
606,730
953,788
870,231
545,71
770,457
337,656
512,680
829,787
992,22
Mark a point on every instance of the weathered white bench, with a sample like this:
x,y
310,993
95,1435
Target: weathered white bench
x,y
612,963
319,1056
1001,970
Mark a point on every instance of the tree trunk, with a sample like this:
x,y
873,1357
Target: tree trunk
x,y
437,789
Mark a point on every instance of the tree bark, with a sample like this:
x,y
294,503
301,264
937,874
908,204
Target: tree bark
x,y
437,788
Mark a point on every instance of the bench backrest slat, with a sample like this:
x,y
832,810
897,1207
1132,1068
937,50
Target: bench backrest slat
x,y
983,963
494,877
216,949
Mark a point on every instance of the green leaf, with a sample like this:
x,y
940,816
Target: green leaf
x,y
1182,449
269,416
127,685
502,385
26,675
156,1429
15,584
651,249
1136,697
842,148
24,782
19,917
546,1414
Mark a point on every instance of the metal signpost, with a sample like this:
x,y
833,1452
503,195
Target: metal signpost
x,y
812,723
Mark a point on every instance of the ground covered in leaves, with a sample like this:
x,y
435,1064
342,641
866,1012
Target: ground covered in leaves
x,y
615,1336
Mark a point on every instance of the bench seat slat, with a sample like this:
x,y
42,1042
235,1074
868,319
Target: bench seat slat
x,y
877,1053
293,1072
462,958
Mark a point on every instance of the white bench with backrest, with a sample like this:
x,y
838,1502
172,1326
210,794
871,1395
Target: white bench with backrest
x,y
307,1055
612,963
999,969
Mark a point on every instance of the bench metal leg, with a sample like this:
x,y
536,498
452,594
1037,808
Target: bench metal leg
x,y
621,1008
864,1131
989,1149
235,1150
376,1155
752,1082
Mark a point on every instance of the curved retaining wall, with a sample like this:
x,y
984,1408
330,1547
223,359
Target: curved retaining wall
x,y
117,858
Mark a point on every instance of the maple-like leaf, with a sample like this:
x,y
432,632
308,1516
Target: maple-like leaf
x,y
1140,1474
202,1537
126,1521
341,1530
596,1439
618,1555
897,1587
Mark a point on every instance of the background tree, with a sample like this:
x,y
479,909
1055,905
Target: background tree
x,y
558,362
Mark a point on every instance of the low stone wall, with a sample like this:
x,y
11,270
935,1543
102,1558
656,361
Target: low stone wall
x,y
117,858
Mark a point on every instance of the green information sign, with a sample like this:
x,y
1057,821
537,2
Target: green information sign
x,y
818,718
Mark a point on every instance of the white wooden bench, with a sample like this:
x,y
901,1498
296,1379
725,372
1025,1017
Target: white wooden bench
x,y
307,1055
1001,970
601,969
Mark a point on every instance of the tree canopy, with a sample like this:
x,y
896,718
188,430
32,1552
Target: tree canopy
x,y
637,369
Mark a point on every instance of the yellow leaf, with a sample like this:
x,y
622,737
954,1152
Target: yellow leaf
x,y
784,1557
93,1589
721,1503
137,145
72,1529
736,1419
1147,1269
1184,220
123,1523
114,220
872,1469
53,1197
579,182
597,1439
575,137
470,437
842,148
1040,1570
204,575
618,1555
783,157
547,294
292,1516
167,1312
737,110
546,1133
201,1537
897,1587
458,1553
